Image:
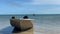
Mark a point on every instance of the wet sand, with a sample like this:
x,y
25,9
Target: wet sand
x,y
30,31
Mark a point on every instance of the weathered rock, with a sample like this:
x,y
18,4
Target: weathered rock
x,y
30,31
22,24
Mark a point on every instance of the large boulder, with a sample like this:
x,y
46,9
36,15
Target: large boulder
x,y
22,24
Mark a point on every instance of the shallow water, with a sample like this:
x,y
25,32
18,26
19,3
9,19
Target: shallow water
x,y
43,24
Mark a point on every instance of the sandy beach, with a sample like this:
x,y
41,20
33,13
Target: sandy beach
x,y
30,31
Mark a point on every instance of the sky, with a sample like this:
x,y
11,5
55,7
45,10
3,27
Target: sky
x,y
29,6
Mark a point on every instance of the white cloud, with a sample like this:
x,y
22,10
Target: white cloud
x,y
41,6
38,2
46,2
33,2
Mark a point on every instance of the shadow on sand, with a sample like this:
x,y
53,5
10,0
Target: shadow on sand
x,y
11,30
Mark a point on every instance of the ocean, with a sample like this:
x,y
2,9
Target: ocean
x,y
43,23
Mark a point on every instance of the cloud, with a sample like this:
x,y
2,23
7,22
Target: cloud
x,y
15,2
30,2
33,2
46,2
29,6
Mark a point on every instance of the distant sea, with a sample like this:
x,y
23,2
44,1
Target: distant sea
x,y
43,23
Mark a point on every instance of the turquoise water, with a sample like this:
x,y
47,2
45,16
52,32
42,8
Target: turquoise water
x,y
46,24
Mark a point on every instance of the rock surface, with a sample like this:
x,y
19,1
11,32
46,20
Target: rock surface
x,y
22,24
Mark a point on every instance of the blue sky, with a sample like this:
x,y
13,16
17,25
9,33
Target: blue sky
x,y
29,6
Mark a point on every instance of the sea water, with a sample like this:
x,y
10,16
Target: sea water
x,y
43,24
